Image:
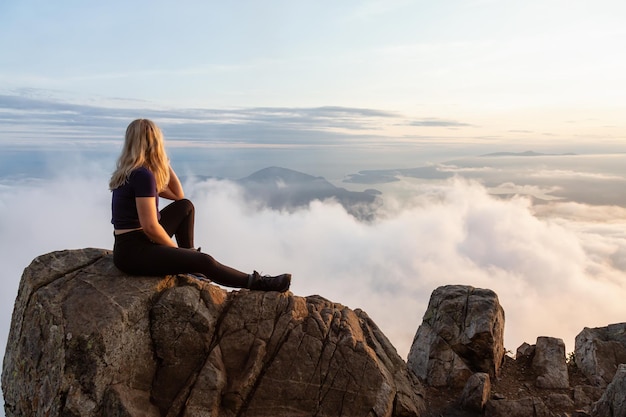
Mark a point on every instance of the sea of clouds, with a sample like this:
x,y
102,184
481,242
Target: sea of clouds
x,y
556,268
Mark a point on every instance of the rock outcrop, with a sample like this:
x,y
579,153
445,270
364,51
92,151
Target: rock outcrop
x,y
549,363
599,351
459,345
87,340
476,392
462,333
613,401
523,407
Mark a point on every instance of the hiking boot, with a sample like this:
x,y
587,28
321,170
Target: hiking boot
x,y
278,283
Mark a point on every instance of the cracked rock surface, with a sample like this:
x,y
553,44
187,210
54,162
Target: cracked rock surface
x,y
462,333
88,340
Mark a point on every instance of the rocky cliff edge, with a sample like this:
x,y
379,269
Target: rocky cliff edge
x,y
87,340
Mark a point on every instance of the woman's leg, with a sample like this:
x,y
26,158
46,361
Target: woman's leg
x,y
178,220
167,260
135,254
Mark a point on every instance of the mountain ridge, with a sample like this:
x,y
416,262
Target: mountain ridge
x,y
287,189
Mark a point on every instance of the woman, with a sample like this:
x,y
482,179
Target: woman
x,y
143,244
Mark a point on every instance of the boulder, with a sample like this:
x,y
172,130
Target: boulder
x,y
525,352
476,392
559,401
599,351
461,334
549,363
87,340
585,395
523,407
613,401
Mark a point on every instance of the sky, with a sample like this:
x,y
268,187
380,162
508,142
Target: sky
x,y
331,88
500,69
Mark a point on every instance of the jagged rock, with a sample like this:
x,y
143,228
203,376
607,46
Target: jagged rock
x,y
585,395
613,401
558,400
524,407
87,340
525,351
476,392
599,351
461,333
549,363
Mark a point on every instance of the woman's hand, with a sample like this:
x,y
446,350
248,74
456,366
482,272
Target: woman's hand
x,y
174,189
148,218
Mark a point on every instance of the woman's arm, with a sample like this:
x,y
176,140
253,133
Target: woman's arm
x,y
174,189
146,209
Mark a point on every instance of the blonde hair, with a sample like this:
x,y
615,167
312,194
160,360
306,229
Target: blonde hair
x,y
143,146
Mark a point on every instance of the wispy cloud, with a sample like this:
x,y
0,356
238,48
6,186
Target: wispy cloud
x,y
434,122
33,114
571,174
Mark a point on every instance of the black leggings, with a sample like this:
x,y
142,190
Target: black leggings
x,y
135,254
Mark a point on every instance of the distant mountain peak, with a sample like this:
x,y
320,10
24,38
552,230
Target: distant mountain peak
x,y
277,173
283,188
525,153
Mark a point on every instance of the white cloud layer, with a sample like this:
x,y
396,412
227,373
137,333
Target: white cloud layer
x,y
556,268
